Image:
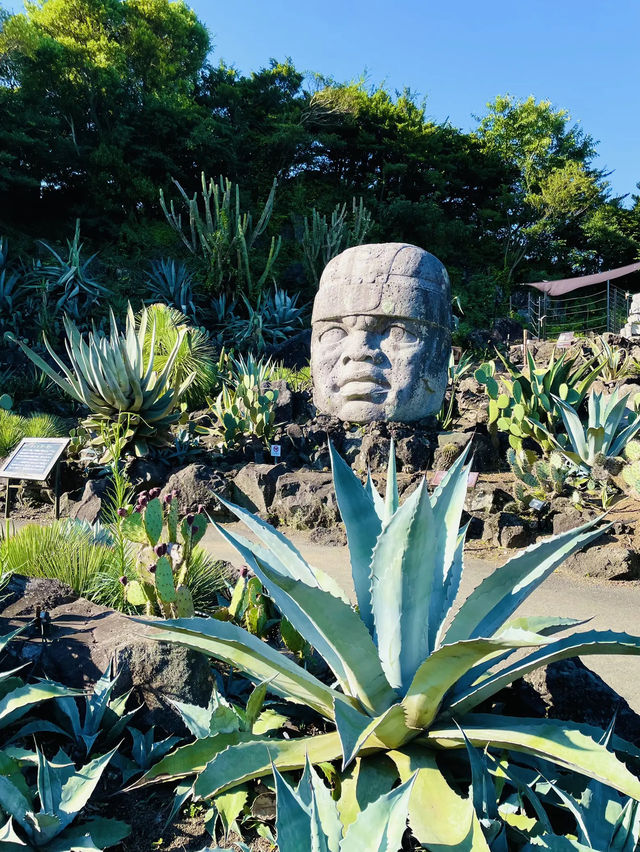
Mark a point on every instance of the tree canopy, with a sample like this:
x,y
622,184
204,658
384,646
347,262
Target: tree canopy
x,y
103,102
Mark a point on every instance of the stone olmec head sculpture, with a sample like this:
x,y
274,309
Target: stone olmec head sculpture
x,y
381,338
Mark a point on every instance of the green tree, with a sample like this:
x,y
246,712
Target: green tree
x,y
114,84
553,187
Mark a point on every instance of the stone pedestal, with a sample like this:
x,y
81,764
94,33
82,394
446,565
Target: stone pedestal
x,y
632,328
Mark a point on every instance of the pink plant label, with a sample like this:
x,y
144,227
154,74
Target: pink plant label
x,y
439,475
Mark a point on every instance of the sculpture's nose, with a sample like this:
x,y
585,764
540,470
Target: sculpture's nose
x,y
360,346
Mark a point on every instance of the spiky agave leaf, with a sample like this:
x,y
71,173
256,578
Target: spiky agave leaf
x,y
393,699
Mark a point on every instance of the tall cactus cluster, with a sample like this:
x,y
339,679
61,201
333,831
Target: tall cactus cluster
x,y
166,547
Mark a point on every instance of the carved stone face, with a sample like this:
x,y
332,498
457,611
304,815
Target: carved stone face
x,y
380,334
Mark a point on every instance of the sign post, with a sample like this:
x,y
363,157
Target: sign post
x,y
35,458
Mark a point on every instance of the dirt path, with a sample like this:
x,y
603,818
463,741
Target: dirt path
x,y
610,605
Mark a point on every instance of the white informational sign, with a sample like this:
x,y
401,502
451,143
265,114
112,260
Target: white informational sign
x,y
276,450
33,458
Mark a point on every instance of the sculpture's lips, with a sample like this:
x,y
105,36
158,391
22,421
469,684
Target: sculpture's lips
x,y
363,385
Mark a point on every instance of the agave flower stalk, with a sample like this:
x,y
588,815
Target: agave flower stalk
x,y
112,376
412,664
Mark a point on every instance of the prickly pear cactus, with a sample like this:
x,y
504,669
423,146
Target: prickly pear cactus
x,y
165,586
163,559
183,603
153,520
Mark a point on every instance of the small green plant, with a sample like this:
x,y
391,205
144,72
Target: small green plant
x,y
69,281
238,369
163,560
524,405
615,360
456,372
170,283
244,412
609,427
62,793
297,379
103,719
225,237
537,479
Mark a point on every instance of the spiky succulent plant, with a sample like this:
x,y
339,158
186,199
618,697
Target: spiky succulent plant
x,y
412,665
111,375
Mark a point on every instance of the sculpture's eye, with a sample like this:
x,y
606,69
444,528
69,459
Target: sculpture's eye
x,y
333,334
400,334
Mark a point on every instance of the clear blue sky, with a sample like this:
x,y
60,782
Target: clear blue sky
x,y
580,54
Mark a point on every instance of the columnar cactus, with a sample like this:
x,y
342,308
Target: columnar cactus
x,y
166,545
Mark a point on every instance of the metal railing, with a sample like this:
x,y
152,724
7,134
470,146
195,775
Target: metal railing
x,y
606,310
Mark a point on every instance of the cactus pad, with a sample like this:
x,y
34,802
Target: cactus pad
x,y
133,527
135,594
172,521
164,581
153,520
183,603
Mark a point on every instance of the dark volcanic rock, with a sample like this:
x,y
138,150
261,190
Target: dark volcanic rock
x,y
196,485
569,690
82,638
89,506
254,486
305,499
